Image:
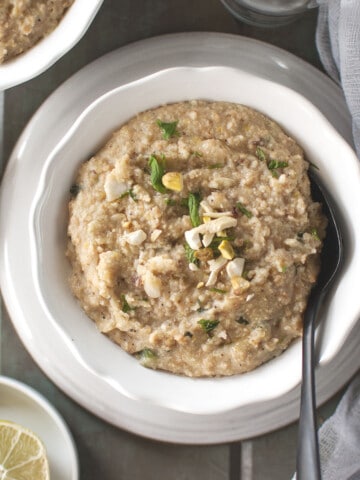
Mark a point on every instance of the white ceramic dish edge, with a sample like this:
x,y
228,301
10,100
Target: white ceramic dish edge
x,y
147,379
51,48
52,415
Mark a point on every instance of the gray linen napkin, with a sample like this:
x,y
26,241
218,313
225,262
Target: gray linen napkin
x,y
338,43
340,438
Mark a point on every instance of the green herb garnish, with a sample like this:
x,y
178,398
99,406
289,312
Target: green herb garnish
x,y
147,353
201,308
243,210
217,240
208,325
216,165
277,164
194,204
146,356
245,274
125,306
214,245
171,202
168,129
217,290
197,154
156,173
260,154
190,254
129,193
242,321
183,202
314,233
273,165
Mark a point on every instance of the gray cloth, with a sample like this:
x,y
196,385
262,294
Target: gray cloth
x,y
338,43
340,438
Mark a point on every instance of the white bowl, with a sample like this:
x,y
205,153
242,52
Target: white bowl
x,y
23,405
52,47
338,168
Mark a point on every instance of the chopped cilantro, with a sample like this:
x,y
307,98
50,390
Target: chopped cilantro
x,y
197,154
243,210
216,165
190,254
168,129
201,308
277,164
129,193
146,356
125,306
314,233
193,204
217,240
208,325
260,154
156,174
273,165
217,290
245,274
171,202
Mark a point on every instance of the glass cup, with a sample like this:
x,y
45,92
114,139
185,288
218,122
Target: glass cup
x,y
268,13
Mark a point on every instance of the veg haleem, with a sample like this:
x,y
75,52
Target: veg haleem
x,y
193,238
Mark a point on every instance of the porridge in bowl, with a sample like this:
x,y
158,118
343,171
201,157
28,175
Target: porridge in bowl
x,y
193,238
24,22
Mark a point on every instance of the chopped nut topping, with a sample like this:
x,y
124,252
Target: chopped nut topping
x,y
226,250
173,181
193,236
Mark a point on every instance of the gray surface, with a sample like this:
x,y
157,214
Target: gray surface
x,y
106,452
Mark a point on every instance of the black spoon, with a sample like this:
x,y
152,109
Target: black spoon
x,y
308,460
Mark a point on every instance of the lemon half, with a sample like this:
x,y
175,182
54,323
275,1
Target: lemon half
x,y
22,454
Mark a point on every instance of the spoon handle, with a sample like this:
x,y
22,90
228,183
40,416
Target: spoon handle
x,y
308,461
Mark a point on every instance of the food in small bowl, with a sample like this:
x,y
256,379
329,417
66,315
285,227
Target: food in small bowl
x,y
24,23
193,238
34,34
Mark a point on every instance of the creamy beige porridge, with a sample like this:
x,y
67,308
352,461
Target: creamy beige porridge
x,y
24,22
193,238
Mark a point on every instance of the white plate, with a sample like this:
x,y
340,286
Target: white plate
x,y
19,188
21,404
48,221
52,47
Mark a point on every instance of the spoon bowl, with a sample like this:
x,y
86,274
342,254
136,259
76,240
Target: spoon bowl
x,y
308,461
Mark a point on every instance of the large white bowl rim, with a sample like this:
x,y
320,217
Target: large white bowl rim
x,y
323,146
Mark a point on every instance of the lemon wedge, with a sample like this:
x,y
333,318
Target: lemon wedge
x,y
22,454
